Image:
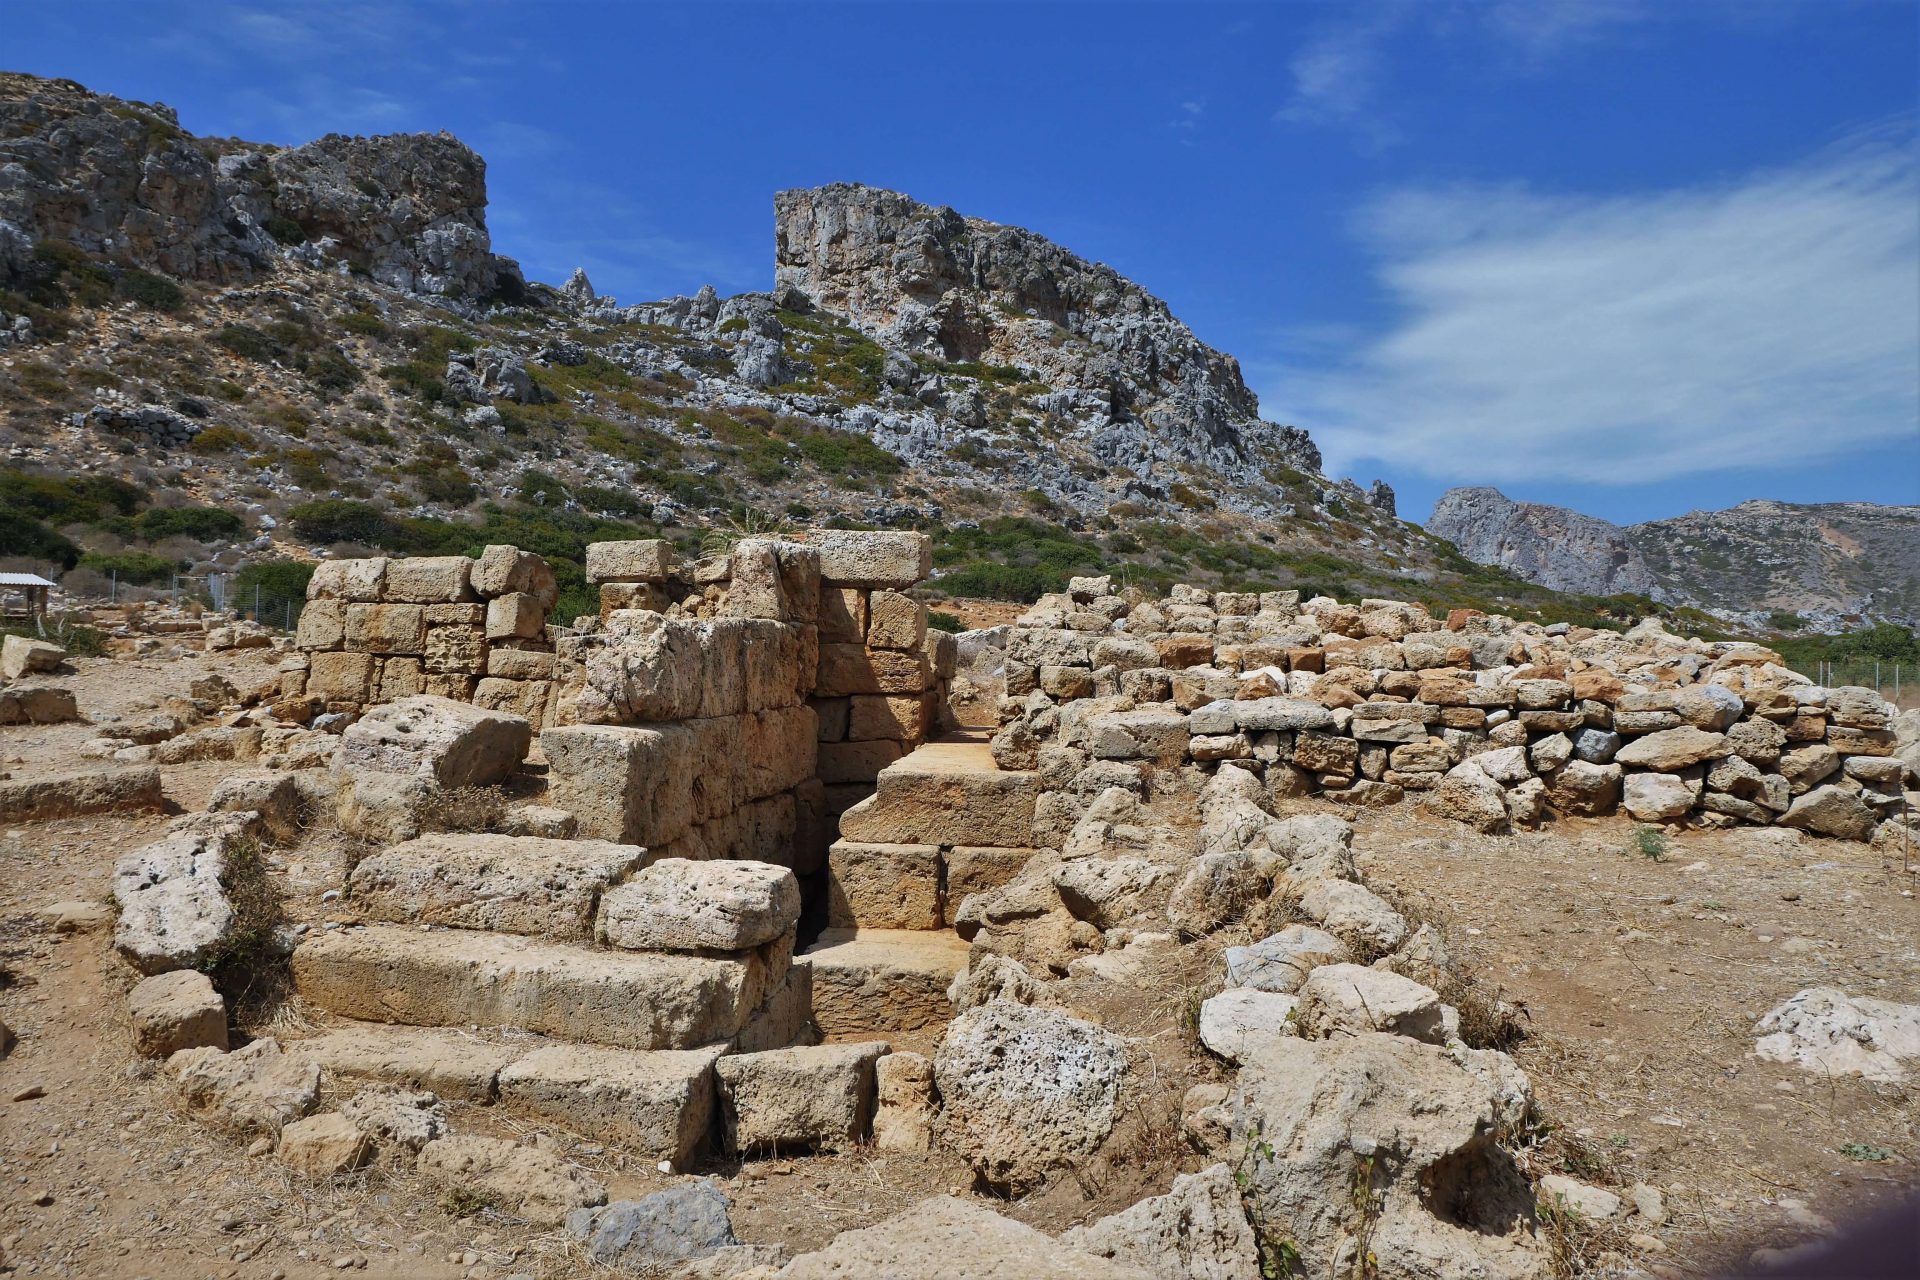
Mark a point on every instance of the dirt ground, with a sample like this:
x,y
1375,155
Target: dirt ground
x,y
1640,981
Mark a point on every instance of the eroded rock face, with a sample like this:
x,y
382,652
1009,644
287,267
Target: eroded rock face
x,y
1026,1091
121,178
1407,1125
1831,1033
946,1238
1196,1231
1552,546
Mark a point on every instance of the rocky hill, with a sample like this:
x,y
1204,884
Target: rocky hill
x,y
1830,564
215,352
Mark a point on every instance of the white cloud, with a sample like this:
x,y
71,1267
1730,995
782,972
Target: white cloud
x,y
1336,81
1758,323
1542,28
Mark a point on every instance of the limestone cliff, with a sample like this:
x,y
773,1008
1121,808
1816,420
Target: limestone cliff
x,y
1552,546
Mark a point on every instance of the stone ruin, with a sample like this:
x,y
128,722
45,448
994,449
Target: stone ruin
x,y
1493,722
763,859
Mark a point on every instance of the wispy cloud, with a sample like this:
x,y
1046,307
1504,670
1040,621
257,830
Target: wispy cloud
x,y
1186,120
1336,80
1540,29
1755,323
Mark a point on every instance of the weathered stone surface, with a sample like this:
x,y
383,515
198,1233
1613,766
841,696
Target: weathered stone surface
x,y
883,886
1594,1204
256,1087
644,560
904,1110
359,580
174,1011
1352,999
1466,794
1393,1116
453,743
1585,789
23,655
681,1224
1196,1231
1237,1023
1026,1091
450,1063
1831,811
880,980
1658,797
1106,891
504,570
1281,962
77,795
855,558
951,1239
540,1187
1215,890
42,704
1670,750
819,1097
391,973
324,1145
678,905
1828,1032
509,884
658,1104
1355,915
392,1116
174,909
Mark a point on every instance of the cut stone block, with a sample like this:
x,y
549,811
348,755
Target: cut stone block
x,y
509,884
515,616
391,973
321,1146
880,980
174,1011
429,580
946,793
538,1186
341,677
818,1098
450,1063
659,1103
501,570
883,886
453,743
678,905
75,795
360,580
642,560
895,621
854,558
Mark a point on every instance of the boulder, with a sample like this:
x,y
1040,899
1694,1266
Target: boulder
x,y
1570,1195
1215,890
1352,999
1356,915
23,655
541,1188
1830,1033
819,1097
1196,1231
1025,1091
681,905
1108,891
174,909
324,1145
1385,1126
1670,750
396,1116
1281,962
1467,794
42,704
1658,797
253,1088
684,1222
1585,789
78,795
1238,1022
1831,811
453,743
174,1011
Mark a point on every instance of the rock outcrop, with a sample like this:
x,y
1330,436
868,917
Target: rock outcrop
x,y
1552,546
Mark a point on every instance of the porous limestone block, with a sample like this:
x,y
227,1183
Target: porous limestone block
x,y
401,678
399,974
508,884
453,743
883,886
455,650
658,1104
879,980
856,558
428,580
904,1108
534,1184
515,616
843,615
322,625
341,677
519,664
895,621
361,580
502,570
679,905
324,1145
643,560
852,668
452,1063
645,596
174,1011
978,868
902,718
816,1097
526,698
630,785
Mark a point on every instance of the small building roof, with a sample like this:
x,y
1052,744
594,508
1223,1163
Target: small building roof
x,y
23,580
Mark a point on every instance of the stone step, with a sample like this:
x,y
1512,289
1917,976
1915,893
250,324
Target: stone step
x,y
655,1103
946,793
876,980
508,884
400,974
883,886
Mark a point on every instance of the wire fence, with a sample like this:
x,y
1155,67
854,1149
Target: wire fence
x,y
215,591
1894,681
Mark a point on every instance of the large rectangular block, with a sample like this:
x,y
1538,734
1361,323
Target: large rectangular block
x,y
508,884
979,868
902,717
630,785
322,625
645,560
843,762
658,1104
946,794
519,697
895,621
341,677
879,980
401,678
515,616
428,580
646,596
883,886
856,558
455,650
851,668
360,580
398,974
386,628
451,1063
519,664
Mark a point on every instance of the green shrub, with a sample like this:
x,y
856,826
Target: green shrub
x,y
284,229
344,520
249,343
273,579
155,292
1018,582
140,568
68,499
203,524
22,535
367,324
220,438
940,620
331,371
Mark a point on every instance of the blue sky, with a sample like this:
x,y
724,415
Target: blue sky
x,y
1634,256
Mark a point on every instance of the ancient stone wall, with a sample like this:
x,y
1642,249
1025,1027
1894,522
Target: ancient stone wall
x,y
1493,722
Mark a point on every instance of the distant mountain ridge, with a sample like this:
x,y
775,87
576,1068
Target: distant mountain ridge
x,y
1833,564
